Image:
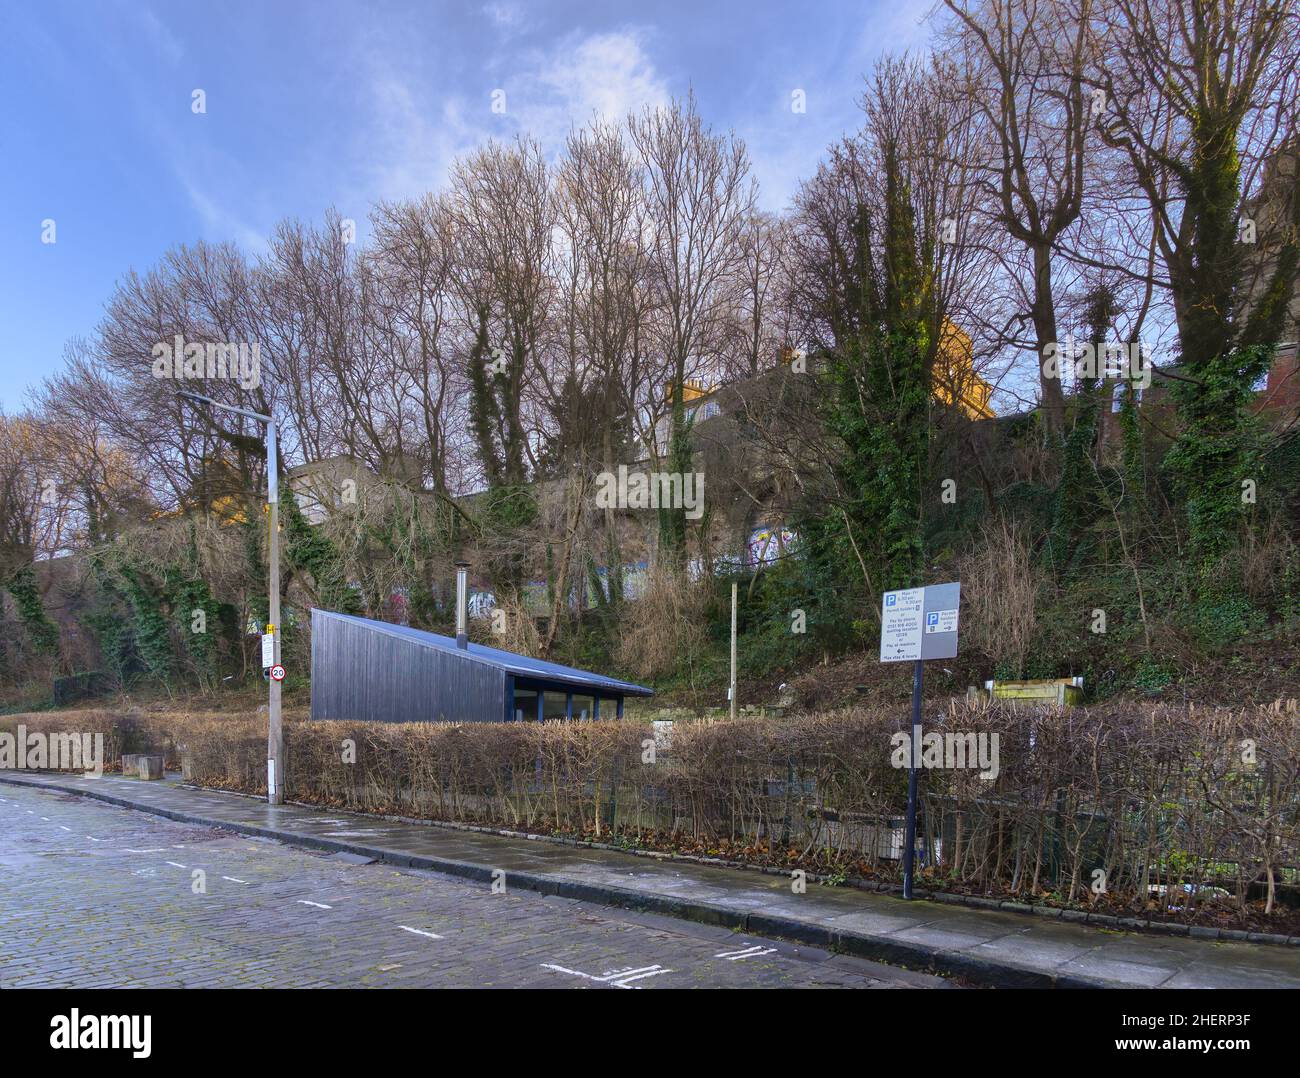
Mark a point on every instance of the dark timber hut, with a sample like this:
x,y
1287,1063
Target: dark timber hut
x,y
363,670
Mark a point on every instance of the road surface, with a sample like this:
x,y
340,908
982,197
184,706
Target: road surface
x,y
92,895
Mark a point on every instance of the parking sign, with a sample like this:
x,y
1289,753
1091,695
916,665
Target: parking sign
x,y
920,623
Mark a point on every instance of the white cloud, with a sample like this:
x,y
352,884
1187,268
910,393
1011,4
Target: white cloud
x,y
607,75
414,133
220,223
408,143
580,78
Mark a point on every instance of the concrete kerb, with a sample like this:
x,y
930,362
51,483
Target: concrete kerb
x,y
910,955
990,902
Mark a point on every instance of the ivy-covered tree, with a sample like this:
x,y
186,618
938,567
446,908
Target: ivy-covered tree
x,y
307,549
875,371
1209,73
26,592
1076,502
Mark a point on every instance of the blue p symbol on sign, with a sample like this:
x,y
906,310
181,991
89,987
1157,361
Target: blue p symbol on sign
x,y
932,619
890,600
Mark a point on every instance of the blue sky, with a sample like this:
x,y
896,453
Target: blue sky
x,y
328,103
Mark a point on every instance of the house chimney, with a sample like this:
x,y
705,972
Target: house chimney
x,y
462,605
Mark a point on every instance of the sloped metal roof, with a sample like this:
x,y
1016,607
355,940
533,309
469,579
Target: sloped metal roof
x,y
519,665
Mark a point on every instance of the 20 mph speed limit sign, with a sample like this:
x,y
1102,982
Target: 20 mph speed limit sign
x,y
277,673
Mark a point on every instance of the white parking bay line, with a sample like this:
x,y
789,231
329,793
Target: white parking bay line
x,y
318,905
94,839
176,864
619,978
65,828
234,879
748,952
623,982
420,932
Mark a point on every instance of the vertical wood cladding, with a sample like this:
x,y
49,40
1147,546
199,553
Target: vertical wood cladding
x,y
364,674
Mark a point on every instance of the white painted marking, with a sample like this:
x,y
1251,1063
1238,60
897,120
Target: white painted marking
x,y
152,849
65,828
748,952
94,839
420,932
46,819
176,864
619,978
622,982
232,879
318,905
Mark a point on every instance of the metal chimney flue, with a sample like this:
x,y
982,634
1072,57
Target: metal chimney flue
x,y
462,605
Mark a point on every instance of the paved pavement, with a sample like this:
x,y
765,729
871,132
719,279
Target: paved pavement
x,y
986,946
94,895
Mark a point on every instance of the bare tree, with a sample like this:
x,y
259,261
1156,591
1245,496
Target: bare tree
x,y
412,261
1199,97
1024,63
698,195
503,212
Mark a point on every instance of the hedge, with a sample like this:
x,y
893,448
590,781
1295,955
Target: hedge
x,y
1190,813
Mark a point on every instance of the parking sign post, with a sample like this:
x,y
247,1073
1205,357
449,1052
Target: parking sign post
x,y
909,836
917,624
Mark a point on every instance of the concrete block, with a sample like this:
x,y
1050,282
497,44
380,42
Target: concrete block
x,y
150,765
130,765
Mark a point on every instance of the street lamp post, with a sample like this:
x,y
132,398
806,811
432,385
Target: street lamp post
x,y
275,731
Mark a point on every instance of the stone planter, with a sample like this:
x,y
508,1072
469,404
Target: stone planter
x,y
130,764
150,765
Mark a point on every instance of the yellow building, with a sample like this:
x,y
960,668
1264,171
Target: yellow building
x,y
954,377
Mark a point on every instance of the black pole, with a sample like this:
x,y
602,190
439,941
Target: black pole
x,y
910,836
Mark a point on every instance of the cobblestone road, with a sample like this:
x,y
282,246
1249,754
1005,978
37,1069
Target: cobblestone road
x,y
92,895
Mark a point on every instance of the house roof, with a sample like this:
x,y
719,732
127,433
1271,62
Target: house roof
x,y
519,665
